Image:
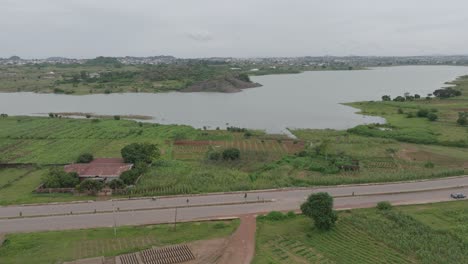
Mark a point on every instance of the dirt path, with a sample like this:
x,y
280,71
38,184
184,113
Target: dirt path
x,y
241,245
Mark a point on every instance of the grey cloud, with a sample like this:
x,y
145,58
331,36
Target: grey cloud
x,y
188,28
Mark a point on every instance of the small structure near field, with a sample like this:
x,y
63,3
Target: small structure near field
x,y
104,169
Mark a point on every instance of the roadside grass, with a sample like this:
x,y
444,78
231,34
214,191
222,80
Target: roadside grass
x,y
22,183
368,236
59,246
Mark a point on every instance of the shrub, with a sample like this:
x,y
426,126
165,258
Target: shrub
x,y
400,111
88,116
275,216
129,177
214,155
423,113
85,158
432,117
140,152
90,185
429,165
231,154
291,214
319,206
116,184
384,205
116,117
58,178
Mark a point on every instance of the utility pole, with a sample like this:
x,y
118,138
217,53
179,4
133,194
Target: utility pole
x,y
175,220
113,216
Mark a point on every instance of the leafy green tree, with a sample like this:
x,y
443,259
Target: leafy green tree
x,y
58,178
399,99
319,207
386,98
231,154
85,158
140,152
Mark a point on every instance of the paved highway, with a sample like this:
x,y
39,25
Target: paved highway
x,y
162,210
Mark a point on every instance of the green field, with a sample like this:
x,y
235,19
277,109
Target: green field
x,y
58,246
444,131
408,234
266,161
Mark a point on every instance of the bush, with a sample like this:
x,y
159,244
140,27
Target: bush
x,y
116,117
291,214
400,111
384,205
140,152
231,154
90,185
116,184
58,178
423,113
214,155
85,158
129,177
275,216
88,116
429,165
432,117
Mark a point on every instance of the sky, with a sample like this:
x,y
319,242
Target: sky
x,y
232,28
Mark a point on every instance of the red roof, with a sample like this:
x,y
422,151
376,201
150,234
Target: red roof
x,y
101,167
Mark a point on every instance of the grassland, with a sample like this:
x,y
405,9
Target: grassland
x,y
410,234
59,246
444,131
107,75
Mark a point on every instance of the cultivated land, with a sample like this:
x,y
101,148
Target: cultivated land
x,y
59,246
433,233
403,149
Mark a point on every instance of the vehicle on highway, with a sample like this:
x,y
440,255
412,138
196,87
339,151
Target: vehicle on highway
x,y
457,195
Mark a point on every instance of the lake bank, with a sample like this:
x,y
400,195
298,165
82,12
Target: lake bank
x,y
305,100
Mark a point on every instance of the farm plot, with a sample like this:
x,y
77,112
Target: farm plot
x,y
294,241
251,149
60,246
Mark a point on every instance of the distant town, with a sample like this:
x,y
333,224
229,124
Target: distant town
x,y
355,61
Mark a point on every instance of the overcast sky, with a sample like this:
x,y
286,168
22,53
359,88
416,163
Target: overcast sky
x,y
238,28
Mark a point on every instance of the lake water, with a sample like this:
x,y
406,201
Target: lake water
x,y
306,100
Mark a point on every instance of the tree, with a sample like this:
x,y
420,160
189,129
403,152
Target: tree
x,y
116,184
417,96
399,99
58,178
319,207
231,154
446,92
90,185
116,117
386,98
85,158
140,152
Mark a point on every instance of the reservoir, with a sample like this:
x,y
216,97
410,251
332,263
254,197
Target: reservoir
x,y
306,100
